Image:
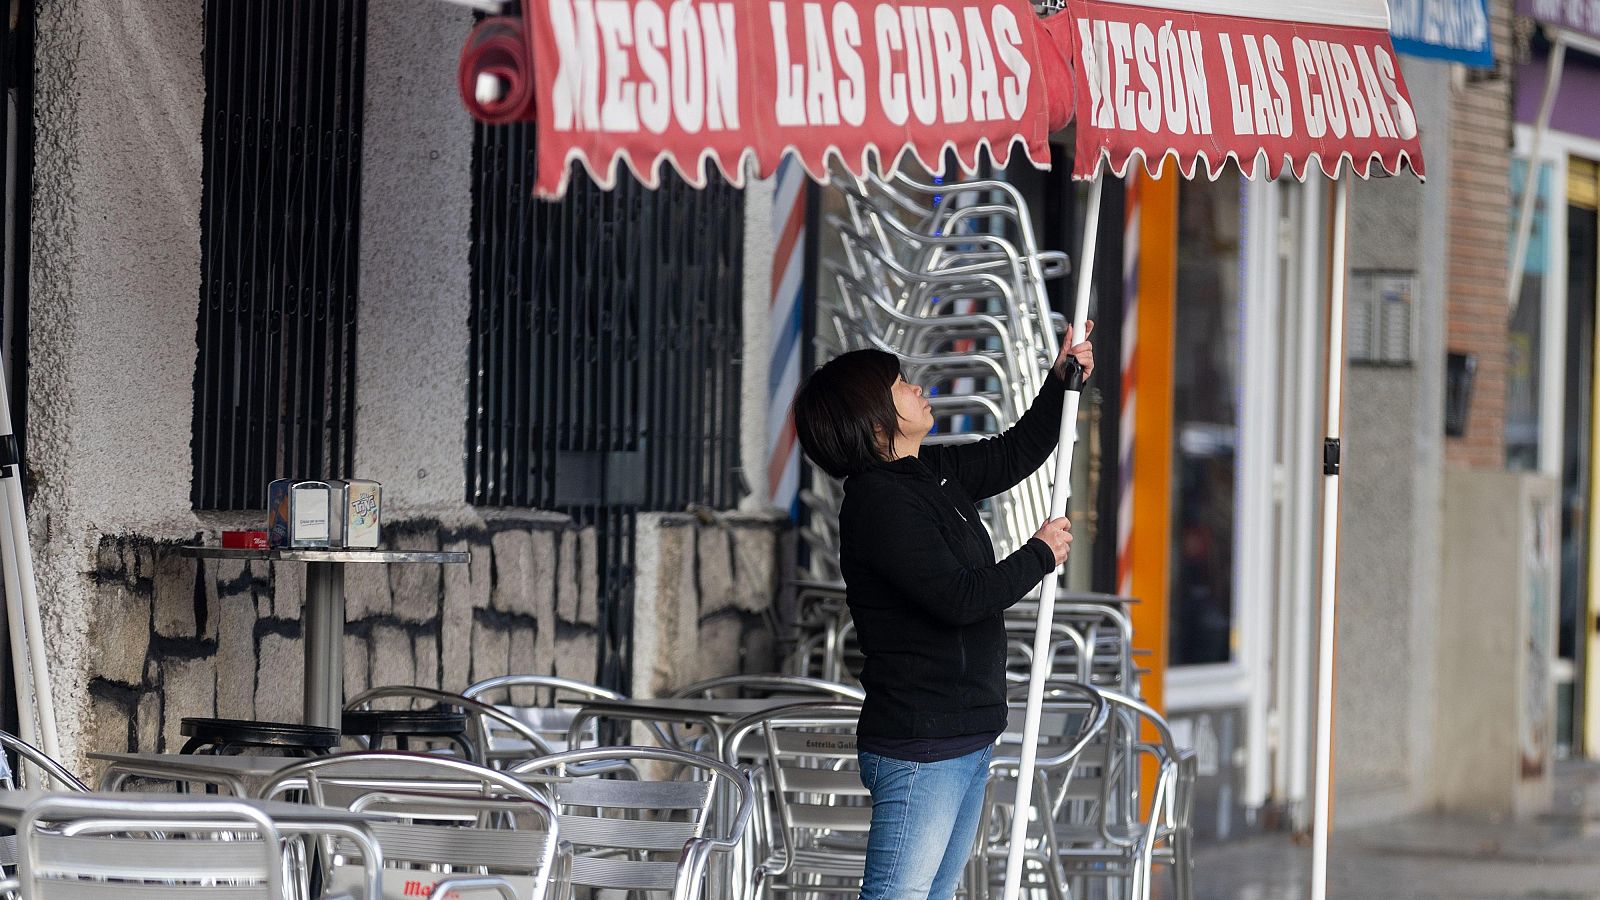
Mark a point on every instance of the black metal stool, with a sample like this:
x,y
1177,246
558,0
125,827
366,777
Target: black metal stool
x,y
405,725
227,737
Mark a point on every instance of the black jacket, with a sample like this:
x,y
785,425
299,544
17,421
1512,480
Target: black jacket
x,y
923,586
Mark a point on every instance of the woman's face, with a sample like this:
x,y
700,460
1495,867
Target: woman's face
x,y
916,415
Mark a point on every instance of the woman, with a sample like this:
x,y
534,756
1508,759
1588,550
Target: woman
x,y
928,601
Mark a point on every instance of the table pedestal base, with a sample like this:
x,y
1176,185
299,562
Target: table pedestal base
x,y
324,618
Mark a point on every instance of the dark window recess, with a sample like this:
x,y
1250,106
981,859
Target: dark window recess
x,y
16,216
275,383
604,375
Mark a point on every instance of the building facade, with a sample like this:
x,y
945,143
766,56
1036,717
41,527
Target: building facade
x,y
265,240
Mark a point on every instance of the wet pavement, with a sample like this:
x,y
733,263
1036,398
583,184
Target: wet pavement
x,y
1551,857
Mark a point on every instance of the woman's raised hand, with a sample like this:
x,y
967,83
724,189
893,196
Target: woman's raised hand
x,y
1083,351
1058,534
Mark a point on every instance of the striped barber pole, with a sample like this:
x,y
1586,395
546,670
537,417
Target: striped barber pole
x,y
1130,386
783,374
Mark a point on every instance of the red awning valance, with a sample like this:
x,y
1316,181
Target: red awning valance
x,y
693,83
1265,83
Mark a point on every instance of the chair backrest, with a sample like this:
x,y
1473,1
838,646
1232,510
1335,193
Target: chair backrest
x,y
54,773
534,701
747,748
444,812
646,834
769,685
1072,718
482,719
816,780
71,845
1101,790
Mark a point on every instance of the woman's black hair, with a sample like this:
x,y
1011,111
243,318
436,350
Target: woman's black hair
x,y
842,409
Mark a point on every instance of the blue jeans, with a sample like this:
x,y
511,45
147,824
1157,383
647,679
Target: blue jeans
x,y
925,818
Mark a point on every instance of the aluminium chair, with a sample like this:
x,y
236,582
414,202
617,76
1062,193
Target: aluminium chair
x,y
88,848
449,824
1072,717
648,834
815,810
534,700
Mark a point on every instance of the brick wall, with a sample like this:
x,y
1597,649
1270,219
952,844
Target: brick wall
x,y
175,637
1477,231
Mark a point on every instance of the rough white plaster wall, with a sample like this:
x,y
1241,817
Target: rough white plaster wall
x,y
115,285
1431,84
759,245
416,207
1388,587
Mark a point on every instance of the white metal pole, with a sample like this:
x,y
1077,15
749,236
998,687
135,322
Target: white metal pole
x,y
1329,595
1047,592
19,557
1530,181
1313,215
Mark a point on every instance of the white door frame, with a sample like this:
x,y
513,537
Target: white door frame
x,y
1261,539
1554,148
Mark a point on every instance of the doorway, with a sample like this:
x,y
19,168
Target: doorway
x,y
1578,483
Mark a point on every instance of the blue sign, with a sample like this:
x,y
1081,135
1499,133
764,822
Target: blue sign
x,y
1452,30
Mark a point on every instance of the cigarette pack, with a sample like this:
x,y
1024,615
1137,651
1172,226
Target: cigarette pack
x,y
244,540
312,522
278,513
363,514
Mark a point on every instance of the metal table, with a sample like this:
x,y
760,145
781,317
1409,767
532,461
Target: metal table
x,y
714,714
323,613
244,775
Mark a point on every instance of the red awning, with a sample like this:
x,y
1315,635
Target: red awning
x,y
1270,84
689,83
1266,83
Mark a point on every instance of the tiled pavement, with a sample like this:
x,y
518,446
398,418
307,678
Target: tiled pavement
x,y
1552,857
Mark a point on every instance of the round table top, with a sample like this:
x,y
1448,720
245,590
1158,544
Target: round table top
x,y
445,557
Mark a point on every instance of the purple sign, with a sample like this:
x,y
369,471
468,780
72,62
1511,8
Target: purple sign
x,y
1574,106
1582,16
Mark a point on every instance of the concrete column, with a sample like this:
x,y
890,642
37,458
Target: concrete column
x,y
115,284
416,209
759,244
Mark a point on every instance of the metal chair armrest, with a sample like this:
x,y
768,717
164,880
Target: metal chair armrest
x,y
692,866
443,888
604,767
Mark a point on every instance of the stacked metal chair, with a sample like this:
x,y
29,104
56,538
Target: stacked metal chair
x,y
950,279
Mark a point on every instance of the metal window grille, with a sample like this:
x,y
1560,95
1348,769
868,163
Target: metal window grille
x,y
606,334
275,384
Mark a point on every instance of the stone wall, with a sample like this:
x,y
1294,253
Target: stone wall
x,y
175,637
706,597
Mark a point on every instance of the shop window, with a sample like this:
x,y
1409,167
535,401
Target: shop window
x,y
1206,420
275,380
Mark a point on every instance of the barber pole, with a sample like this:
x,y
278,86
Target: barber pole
x,y
1130,386
783,375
